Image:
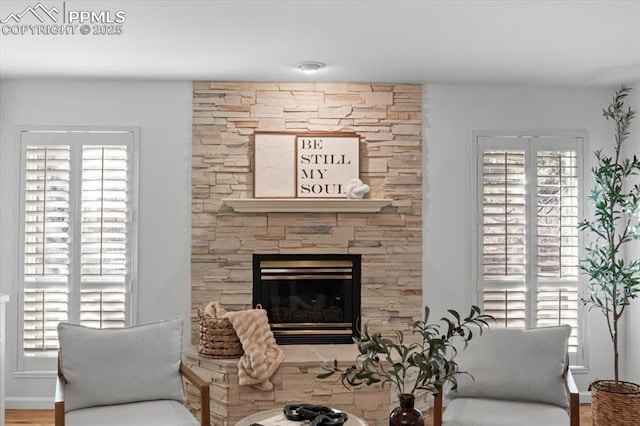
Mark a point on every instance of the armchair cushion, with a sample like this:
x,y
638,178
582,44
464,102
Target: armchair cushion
x,y
115,366
491,412
515,364
149,413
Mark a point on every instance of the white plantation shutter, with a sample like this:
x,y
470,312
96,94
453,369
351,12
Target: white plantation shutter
x,y
106,230
557,215
504,211
78,239
503,235
103,259
46,244
528,243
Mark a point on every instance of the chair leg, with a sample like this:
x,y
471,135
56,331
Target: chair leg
x,y
437,409
205,416
59,396
574,409
59,413
203,388
574,399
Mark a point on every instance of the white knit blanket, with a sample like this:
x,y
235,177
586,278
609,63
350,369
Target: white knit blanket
x,y
262,355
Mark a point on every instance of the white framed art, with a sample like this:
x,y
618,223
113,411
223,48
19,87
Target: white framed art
x,y
305,165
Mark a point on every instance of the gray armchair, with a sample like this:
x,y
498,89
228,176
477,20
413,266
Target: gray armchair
x,y
516,377
128,376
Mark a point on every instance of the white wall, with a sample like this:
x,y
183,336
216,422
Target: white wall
x,y
162,110
451,114
632,316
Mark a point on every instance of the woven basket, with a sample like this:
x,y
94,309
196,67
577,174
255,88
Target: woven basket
x,y
613,406
217,338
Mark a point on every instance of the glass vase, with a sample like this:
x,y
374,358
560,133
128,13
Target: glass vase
x,y
406,414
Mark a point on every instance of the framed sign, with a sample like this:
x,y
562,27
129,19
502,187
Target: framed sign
x,y
304,165
274,172
325,164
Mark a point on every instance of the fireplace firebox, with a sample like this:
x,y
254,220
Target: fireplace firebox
x,y
310,299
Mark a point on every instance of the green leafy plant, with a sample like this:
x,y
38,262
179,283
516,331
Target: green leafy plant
x,y
426,363
613,281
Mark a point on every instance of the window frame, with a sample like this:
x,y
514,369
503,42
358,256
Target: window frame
x,y
548,140
72,136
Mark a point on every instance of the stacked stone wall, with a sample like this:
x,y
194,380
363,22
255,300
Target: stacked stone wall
x,y
388,117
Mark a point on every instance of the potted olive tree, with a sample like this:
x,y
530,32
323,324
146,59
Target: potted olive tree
x,y
614,281
425,363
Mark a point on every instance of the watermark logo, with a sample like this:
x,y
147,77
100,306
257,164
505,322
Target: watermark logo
x,y
39,10
59,19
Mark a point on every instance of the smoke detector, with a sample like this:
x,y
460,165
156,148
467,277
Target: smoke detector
x,y
310,67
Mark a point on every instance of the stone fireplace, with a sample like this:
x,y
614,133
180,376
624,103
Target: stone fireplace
x,y
388,118
309,298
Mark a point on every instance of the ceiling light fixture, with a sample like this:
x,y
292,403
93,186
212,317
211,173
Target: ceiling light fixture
x,y
310,67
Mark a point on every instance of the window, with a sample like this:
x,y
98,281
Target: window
x,y
529,204
78,252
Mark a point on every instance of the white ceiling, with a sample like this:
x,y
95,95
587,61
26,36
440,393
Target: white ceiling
x,y
570,43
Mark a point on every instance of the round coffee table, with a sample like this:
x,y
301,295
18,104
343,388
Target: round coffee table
x,y
276,417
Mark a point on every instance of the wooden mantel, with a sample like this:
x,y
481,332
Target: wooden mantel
x,y
305,205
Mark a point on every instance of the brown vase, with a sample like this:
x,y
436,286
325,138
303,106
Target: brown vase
x,y
615,406
406,414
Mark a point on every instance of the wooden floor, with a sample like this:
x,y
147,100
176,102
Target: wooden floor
x,y
45,417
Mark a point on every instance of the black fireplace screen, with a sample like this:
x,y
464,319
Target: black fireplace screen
x,y
309,298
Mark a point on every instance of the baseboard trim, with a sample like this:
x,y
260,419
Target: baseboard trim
x,y
24,403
